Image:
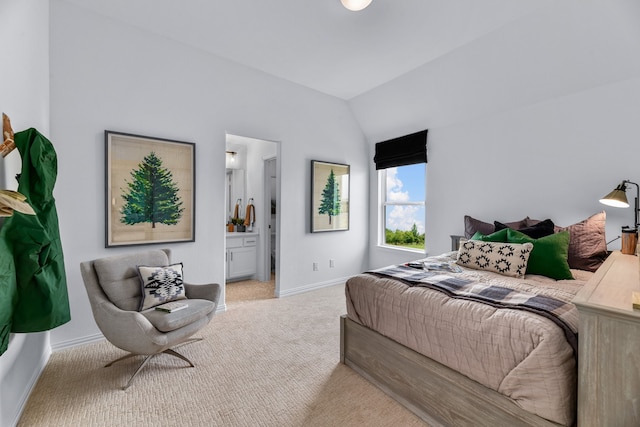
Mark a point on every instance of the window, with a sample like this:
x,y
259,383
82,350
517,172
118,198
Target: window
x,y
401,163
402,199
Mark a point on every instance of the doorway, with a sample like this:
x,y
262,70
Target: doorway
x,y
252,188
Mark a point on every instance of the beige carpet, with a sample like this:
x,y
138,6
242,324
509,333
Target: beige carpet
x,y
248,290
272,362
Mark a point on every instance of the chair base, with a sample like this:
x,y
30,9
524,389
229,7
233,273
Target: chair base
x,y
150,356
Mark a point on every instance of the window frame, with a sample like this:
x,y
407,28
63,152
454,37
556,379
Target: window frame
x,y
382,210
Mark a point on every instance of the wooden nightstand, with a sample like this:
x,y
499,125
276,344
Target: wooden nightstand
x,y
609,345
455,241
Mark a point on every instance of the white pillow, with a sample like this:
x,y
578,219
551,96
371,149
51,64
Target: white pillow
x,y
509,259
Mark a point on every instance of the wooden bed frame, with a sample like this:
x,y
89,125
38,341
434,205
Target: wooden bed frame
x,y
435,393
608,363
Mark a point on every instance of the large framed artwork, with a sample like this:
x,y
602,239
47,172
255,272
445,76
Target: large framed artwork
x,y
329,196
150,190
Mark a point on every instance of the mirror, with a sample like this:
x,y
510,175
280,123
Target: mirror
x,y
236,189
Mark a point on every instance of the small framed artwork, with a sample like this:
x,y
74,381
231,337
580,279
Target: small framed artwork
x,y
150,190
329,196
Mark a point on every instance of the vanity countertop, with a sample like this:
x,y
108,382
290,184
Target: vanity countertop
x,y
242,234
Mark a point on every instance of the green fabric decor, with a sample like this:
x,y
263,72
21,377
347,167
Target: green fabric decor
x,y
34,285
499,236
8,291
549,255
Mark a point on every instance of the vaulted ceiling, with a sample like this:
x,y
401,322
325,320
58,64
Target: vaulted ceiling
x,y
318,43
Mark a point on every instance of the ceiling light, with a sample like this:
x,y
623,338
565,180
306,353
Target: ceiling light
x,y
232,156
355,5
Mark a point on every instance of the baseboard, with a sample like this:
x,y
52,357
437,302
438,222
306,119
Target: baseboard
x,y
89,339
311,287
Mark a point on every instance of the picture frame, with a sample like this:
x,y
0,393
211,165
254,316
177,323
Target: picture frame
x,y
329,196
150,187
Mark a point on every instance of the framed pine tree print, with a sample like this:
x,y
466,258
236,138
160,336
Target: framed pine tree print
x,y
150,190
329,196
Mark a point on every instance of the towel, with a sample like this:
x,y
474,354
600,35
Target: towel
x,y
235,211
250,216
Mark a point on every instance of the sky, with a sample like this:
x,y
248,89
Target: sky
x,y
406,184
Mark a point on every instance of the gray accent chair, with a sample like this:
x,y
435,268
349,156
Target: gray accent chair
x,y
114,291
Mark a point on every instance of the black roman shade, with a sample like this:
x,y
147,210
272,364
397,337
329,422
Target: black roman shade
x,y
402,151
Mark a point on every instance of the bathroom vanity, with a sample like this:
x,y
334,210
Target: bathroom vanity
x,y
241,255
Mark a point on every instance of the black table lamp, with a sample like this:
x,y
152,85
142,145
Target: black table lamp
x,y
618,199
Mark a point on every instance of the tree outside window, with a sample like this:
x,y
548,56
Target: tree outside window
x,y
403,206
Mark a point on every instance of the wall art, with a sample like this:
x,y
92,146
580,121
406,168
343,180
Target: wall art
x,y
150,190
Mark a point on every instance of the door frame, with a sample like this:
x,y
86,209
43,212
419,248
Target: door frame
x,y
267,219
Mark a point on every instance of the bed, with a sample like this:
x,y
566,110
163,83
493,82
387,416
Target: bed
x,y
454,358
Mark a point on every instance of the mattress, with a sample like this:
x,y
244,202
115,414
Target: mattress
x,y
522,355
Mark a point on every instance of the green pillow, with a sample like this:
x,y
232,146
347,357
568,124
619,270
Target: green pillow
x,y
499,236
549,255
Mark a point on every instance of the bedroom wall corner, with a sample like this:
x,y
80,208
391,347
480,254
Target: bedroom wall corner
x,y
24,97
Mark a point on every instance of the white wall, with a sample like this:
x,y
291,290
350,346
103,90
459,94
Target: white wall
x,y
108,75
24,97
538,118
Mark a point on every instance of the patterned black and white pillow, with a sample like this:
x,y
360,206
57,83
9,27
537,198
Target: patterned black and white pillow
x,y
160,285
509,259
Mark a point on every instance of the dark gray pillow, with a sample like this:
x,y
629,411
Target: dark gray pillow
x,y
472,225
540,229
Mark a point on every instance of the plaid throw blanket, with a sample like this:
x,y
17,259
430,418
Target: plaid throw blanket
x,y
564,314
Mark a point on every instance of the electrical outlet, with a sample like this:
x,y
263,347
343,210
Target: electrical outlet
x,y
315,266
331,263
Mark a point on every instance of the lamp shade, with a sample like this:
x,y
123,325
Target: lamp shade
x,y
617,198
355,5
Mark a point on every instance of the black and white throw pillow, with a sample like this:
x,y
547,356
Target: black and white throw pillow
x,y
509,259
160,285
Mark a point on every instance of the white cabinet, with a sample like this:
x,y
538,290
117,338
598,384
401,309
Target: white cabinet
x,y
241,255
